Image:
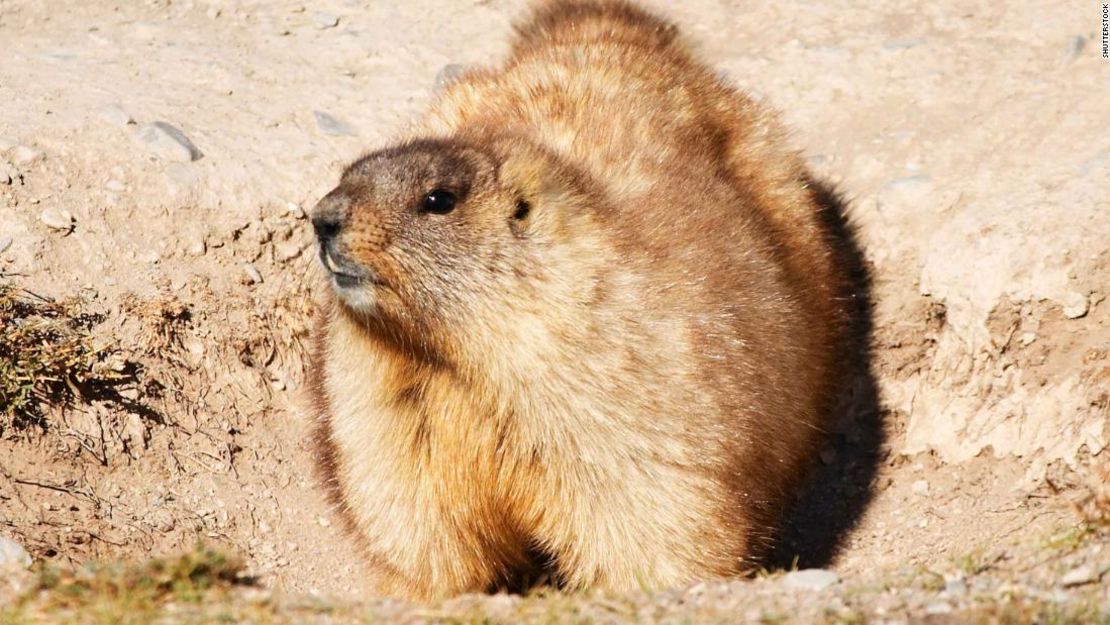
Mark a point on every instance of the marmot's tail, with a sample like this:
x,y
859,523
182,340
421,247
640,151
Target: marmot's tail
x,y
580,21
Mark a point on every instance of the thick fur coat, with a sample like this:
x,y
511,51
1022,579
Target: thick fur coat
x,y
609,355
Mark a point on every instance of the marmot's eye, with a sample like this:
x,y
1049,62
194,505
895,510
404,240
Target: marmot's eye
x,y
439,202
522,210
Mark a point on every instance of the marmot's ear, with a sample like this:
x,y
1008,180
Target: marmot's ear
x,y
536,176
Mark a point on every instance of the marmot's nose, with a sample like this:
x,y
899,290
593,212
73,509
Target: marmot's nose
x,y
327,217
327,226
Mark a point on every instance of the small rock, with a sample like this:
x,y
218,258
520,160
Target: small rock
x,y
167,142
1027,338
295,210
115,185
828,456
1076,305
136,433
447,75
212,12
162,520
5,244
920,487
1079,576
251,275
940,607
115,115
329,125
23,155
1074,49
287,251
902,44
955,587
194,346
117,363
13,555
324,21
197,248
57,219
810,579
323,521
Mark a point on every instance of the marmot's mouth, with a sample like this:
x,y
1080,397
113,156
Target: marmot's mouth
x,y
344,273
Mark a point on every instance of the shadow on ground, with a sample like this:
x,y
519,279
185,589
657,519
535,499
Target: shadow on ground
x,y
844,483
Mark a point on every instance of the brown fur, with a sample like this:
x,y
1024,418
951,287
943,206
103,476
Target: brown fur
x,y
628,383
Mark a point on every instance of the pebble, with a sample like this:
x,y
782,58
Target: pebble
x,y
115,115
446,75
920,487
13,555
324,21
115,185
287,251
902,44
194,346
1076,305
295,210
1027,338
940,607
136,433
197,248
23,155
251,274
329,125
5,244
810,579
955,587
57,219
1079,576
167,142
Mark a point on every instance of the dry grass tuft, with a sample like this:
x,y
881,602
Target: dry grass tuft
x,y
49,356
163,321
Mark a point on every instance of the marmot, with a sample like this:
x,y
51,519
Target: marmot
x,y
586,319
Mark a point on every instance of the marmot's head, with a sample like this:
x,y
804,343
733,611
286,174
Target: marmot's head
x,y
448,246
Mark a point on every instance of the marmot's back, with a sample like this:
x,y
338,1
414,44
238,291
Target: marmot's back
x,y
613,89
586,320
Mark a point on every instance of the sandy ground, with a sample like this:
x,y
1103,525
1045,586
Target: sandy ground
x,y
968,139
